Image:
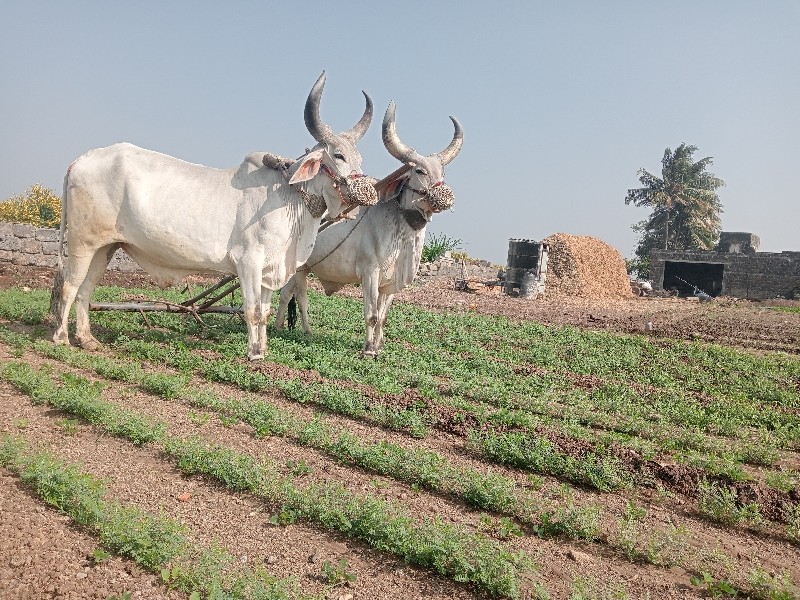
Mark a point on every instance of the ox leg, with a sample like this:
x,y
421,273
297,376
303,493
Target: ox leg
x,y
266,309
255,317
369,285
384,303
64,302
287,292
65,289
94,274
301,295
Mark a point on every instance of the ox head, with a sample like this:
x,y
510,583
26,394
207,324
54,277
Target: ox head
x,y
421,186
331,170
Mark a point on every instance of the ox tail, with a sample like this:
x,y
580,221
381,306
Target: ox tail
x,y
291,314
58,281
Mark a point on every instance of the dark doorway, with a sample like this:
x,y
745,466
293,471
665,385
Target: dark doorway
x,y
685,276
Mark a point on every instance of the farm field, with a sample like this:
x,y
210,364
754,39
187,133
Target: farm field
x,y
498,448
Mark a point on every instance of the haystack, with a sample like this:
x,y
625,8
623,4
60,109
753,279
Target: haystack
x,y
586,267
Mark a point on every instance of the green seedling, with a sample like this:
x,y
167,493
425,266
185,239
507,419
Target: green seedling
x,y
337,574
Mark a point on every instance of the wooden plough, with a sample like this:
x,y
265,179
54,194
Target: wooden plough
x,y
228,285
206,301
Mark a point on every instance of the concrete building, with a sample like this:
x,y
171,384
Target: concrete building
x,y
734,268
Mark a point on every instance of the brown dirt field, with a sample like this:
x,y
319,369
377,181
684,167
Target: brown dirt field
x,y
42,556
726,321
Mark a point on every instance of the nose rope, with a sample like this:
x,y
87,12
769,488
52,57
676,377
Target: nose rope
x,y
338,181
428,190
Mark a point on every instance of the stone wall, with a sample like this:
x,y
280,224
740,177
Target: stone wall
x,y
473,270
28,245
763,275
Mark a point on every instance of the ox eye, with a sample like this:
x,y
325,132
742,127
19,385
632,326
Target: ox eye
x,y
419,171
339,156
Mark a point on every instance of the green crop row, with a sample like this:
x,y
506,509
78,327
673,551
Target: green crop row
x,y
537,454
447,549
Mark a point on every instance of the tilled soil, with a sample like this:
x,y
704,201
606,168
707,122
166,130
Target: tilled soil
x,y
726,321
43,556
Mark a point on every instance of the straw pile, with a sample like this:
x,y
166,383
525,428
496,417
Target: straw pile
x,y
586,267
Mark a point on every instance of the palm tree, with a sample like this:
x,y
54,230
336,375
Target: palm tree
x,y
685,203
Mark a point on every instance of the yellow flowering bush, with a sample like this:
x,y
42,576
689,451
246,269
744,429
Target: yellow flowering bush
x,y
37,206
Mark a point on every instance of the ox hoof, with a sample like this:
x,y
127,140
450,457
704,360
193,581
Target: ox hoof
x,y
61,340
253,357
369,354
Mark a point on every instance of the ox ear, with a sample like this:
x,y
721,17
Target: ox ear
x,y
387,186
396,184
309,166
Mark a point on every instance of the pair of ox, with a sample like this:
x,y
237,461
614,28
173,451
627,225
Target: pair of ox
x,y
255,221
382,247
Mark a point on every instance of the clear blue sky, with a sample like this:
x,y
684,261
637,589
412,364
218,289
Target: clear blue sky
x,y
561,102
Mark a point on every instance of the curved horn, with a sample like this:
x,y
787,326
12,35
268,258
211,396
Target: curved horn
x,y
360,128
392,141
319,130
449,153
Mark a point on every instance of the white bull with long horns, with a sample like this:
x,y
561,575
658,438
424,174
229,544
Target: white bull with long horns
x,y
381,248
175,218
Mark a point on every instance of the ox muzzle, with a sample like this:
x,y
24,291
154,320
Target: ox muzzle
x,y
434,199
354,189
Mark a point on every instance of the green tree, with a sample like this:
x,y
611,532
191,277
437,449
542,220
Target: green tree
x,y
685,205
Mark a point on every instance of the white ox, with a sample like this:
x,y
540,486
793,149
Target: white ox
x,y
381,248
176,218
